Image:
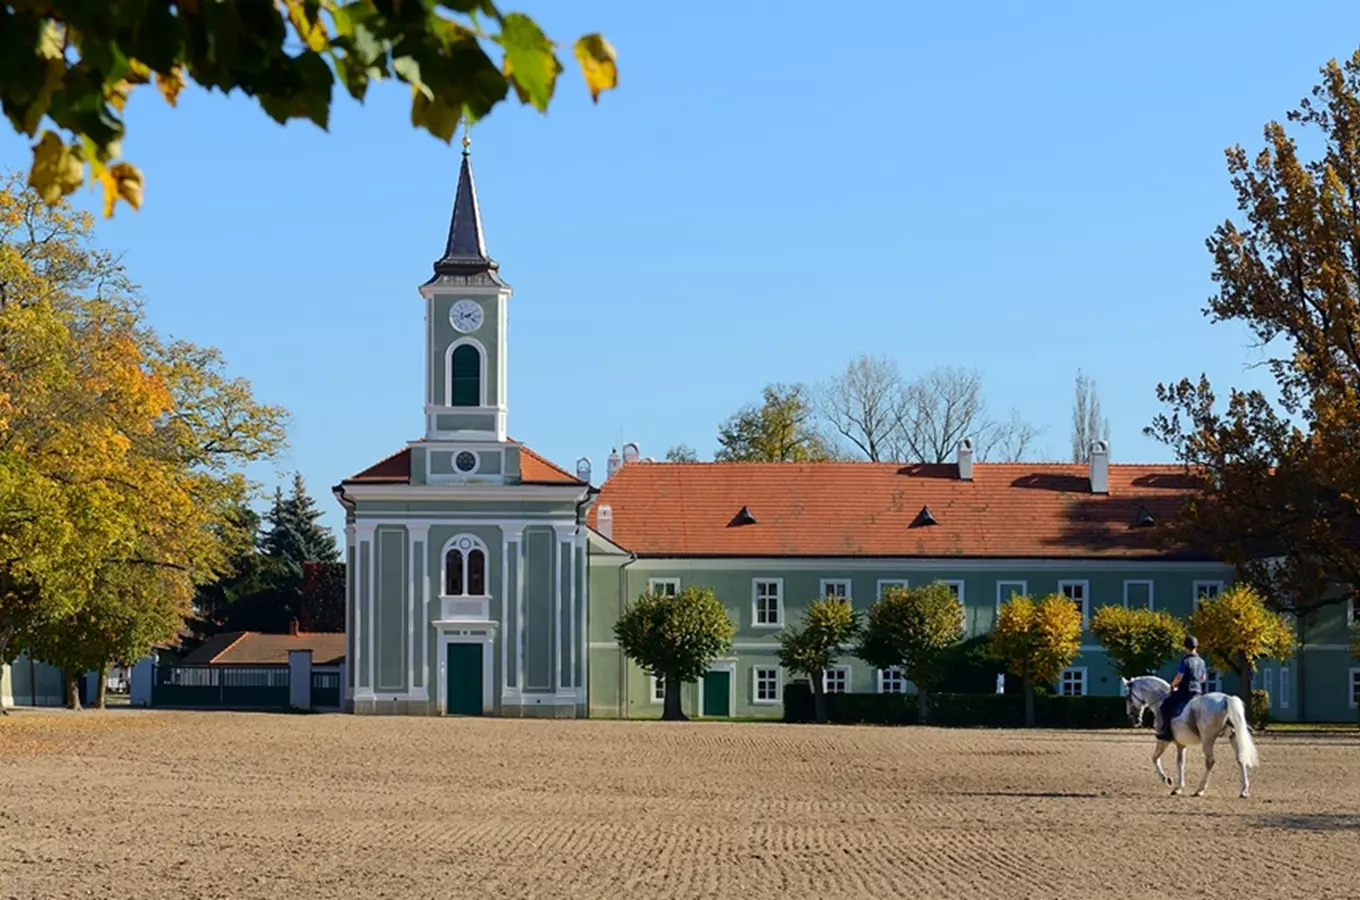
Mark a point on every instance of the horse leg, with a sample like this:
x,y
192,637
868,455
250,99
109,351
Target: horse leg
x,y
1157,755
1208,765
1180,772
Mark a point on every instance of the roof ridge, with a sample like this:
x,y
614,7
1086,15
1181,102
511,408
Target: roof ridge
x,y
525,448
239,637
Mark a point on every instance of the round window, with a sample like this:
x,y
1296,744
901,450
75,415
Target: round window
x,y
465,461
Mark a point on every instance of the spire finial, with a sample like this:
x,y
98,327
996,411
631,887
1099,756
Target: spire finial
x,y
467,138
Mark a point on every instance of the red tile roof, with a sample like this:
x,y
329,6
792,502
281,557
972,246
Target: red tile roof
x,y
251,648
396,469
1015,510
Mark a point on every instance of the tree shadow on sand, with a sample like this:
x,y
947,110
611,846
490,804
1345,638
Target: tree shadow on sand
x,y
1312,821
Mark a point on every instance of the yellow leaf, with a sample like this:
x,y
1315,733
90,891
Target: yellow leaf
x,y
170,85
312,32
597,64
120,181
117,94
57,169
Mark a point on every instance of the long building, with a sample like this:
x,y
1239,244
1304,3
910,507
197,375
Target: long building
x,y
484,579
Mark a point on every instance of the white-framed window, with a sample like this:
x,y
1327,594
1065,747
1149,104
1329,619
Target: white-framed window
x,y
836,680
767,602
1353,691
1138,593
884,583
955,588
892,681
1073,682
668,586
1213,681
1005,590
1353,611
464,566
1079,592
836,587
765,685
656,688
1206,590
1284,687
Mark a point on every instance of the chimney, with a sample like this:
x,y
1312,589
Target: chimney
x,y
612,464
965,454
583,469
293,626
631,452
604,520
1100,467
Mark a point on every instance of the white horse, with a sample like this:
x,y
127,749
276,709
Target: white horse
x,y
1204,719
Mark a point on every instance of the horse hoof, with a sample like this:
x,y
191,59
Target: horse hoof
x,y
1176,792
1244,794
1197,794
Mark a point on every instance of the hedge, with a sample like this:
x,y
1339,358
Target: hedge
x,y
968,710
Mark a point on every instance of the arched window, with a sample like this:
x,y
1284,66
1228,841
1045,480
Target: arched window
x,y
465,567
466,376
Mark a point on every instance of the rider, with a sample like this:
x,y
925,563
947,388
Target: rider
x,y
1189,682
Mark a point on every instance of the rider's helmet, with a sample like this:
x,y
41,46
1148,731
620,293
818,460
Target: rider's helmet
x,y
1191,642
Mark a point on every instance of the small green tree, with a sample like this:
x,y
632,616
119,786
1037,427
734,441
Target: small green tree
x,y
1235,629
913,629
1037,640
675,638
1137,641
828,626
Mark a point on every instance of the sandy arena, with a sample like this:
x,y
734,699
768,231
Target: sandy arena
x,y
134,804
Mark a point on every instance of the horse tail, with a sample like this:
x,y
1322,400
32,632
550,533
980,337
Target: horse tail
x,y
1242,744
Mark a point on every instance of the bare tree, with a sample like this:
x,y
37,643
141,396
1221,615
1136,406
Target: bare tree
x,y
1008,441
866,405
1087,425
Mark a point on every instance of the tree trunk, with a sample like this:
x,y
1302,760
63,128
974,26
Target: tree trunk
x,y
101,688
71,682
818,698
1029,703
671,710
1244,682
923,705
4,644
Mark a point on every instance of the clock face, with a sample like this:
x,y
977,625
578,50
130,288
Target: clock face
x,y
465,461
465,316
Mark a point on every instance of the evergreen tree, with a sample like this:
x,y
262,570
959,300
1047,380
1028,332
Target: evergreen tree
x,y
295,534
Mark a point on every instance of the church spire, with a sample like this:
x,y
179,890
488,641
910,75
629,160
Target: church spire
x,y
465,252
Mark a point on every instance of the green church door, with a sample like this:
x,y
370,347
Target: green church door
x,y
463,687
718,693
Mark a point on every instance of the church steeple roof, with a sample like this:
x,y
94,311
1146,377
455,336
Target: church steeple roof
x,y
465,252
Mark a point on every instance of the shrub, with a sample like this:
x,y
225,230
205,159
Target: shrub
x,y
959,710
1258,712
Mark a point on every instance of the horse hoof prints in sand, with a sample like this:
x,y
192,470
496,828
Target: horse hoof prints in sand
x,y
1203,720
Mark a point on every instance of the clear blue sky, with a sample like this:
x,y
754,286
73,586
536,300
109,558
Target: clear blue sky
x,y
1020,188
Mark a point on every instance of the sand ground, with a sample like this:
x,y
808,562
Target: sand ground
x,y
136,804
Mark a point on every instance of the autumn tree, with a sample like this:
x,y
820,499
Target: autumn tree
x,y
675,638
913,629
67,67
119,451
1037,640
1088,426
1137,641
1235,630
781,429
1280,479
827,628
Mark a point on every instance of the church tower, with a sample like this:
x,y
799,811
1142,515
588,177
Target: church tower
x,y
465,348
